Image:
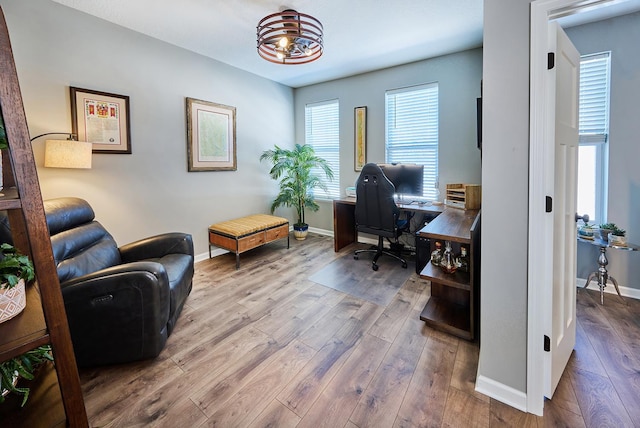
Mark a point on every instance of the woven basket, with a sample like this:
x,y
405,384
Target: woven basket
x,y
12,301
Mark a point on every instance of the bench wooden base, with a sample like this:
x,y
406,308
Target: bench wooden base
x,y
246,233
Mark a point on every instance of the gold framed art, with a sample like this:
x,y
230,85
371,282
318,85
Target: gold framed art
x,y
360,137
211,136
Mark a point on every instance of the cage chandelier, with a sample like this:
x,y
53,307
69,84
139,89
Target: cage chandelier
x,y
289,37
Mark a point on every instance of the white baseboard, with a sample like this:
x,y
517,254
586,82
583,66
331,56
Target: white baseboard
x,y
634,293
501,392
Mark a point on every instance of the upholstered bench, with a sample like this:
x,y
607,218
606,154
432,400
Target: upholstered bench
x,y
245,233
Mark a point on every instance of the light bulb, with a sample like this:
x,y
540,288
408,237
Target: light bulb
x,y
307,51
283,42
279,54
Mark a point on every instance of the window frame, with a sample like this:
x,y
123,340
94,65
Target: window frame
x,y
596,132
430,132
333,150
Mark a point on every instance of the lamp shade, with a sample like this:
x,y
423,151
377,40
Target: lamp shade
x,y
67,154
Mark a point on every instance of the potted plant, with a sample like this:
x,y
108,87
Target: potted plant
x,y
15,270
618,237
586,231
606,229
297,181
22,366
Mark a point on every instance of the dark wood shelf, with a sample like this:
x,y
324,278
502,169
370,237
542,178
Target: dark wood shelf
x,y
453,304
25,331
9,199
457,279
447,316
56,395
44,409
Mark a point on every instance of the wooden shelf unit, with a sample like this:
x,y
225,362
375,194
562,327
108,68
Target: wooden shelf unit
x,y
464,196
453,305
56,396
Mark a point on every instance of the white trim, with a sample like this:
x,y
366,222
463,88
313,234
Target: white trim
x,y
540,224
630,292
502,392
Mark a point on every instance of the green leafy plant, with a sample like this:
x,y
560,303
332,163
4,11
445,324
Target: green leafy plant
x,y
297,181
22,366
618,232
609,226
14,266
3,136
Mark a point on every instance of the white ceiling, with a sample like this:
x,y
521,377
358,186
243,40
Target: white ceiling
x,y
359,35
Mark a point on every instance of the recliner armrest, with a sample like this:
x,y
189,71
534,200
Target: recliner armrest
x,y
118,314
157,246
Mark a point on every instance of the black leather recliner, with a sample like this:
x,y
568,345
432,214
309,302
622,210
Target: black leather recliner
x,y
121,303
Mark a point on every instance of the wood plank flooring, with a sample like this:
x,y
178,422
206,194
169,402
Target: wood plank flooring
x,y
265,347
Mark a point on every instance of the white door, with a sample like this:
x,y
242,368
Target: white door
x,y
562,331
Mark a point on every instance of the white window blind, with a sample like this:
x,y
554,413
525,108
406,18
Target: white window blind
x,y
594,98
322,132
595,77
412,130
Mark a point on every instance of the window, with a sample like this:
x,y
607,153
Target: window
x,y
322,132
412,131
594,136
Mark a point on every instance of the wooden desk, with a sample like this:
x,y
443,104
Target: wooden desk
x,y
344,219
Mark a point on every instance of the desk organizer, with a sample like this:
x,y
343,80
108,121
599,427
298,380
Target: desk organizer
x,y
464,196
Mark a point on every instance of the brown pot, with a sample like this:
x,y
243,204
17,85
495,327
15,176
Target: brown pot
x,y
12,301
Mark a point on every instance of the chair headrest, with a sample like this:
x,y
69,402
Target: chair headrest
x,y
67,213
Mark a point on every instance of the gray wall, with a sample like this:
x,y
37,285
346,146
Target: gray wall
x,y
619,35
149,191
458,76
505,166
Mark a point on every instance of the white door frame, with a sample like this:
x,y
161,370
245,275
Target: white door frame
x,y
541,166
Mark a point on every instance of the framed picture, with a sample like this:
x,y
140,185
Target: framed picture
x,y
102,119
360,142
211,136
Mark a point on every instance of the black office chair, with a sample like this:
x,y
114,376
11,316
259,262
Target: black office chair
x,y
377,212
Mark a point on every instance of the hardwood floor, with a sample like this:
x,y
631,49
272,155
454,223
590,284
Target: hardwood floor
x,y
265,347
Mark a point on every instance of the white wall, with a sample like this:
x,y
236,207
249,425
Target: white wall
x,y
458,76
620,36
503,296
150,190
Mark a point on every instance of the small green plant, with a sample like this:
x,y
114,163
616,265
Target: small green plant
x,y
618,232
22,366
3,136
608,226
14,266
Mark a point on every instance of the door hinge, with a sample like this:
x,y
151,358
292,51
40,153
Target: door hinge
x,y
547,343
551,60
548,207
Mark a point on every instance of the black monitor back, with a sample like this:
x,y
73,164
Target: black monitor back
x,y
408,178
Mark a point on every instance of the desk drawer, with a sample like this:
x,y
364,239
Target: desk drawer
x,y
277,233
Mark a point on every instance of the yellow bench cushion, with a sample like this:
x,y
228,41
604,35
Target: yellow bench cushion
x,y
246,225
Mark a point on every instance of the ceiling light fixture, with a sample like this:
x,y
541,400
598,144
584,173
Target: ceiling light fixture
x,y
289,37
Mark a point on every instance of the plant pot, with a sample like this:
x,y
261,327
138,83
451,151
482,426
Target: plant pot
x,y
300,231
619,241
604,234
12,301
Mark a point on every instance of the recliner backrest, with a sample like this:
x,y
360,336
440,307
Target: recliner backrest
x,y
375,206
80,244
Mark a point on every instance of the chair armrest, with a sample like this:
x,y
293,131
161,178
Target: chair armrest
x,y
157,246
118,314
